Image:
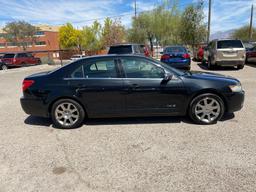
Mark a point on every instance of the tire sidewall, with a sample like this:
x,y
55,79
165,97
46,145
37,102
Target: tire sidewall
x,y
79,107
198,98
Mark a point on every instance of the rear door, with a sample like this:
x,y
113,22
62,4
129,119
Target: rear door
x,y
8,58
99,85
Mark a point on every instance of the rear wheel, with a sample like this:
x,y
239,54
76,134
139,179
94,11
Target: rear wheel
x,y
240,66
67,114
206,109
4,67
210,66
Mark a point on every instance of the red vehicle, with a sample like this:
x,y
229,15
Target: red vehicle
x,y
20,59
200,54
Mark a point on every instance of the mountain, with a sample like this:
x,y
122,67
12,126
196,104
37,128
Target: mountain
x,y
222,34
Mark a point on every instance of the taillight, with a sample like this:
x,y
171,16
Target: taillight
x,y
164,57
186,56
26,84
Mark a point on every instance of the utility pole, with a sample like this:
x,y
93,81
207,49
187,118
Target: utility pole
x,y
250,31
135,8
209,21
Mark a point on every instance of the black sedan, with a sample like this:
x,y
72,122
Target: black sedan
x,y
125,86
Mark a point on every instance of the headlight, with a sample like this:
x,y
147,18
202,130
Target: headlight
x,y
236,88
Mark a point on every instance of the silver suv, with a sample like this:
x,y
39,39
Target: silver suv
x,y
226,53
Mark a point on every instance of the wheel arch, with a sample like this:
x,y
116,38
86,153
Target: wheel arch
x,y
66,97
205,91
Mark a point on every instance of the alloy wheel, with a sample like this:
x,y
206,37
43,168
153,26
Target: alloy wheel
x,y
207,109
67,114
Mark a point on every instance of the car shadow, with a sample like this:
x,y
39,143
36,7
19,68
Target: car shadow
x,y
136,120
251,64
228,116
46,122
38,121
218,68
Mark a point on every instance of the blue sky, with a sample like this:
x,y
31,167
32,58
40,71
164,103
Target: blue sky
x,y
227,14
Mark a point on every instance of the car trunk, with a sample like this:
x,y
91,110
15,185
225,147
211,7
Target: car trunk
x,y
231,54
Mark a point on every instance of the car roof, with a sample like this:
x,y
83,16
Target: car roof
x,y
125,44
114,55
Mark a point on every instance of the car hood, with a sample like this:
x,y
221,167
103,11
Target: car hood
x,y
211,76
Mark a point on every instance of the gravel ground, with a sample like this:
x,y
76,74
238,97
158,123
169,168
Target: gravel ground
x,y
133,155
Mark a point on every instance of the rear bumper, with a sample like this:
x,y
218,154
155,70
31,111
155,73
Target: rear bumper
x,y
179,65
235,101
35,107
230,62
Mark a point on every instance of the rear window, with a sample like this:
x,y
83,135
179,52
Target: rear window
x,y
126,49
175,50
229,44
8,56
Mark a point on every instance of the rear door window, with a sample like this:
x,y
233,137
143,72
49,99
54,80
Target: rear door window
x,y
229,44
101,69
8,56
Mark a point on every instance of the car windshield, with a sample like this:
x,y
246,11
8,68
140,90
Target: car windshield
x,y
175,50
124,49
8,56
229,44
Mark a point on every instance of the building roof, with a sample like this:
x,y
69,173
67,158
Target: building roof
x,y
43,27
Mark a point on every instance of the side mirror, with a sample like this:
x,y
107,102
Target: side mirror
x,y
167,77
161,52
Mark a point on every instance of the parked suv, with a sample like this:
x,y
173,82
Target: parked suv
x,y
127,49
20,59
226,53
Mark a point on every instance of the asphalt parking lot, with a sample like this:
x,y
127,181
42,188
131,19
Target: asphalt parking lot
x,y
134,155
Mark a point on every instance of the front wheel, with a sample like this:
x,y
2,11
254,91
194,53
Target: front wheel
x,y
67,114
206,109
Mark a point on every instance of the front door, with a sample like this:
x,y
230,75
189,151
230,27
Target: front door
x,y
146,92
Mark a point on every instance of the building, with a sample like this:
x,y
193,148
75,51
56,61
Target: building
x,y
46,43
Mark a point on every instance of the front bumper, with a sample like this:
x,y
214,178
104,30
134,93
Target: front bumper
x,y
34,106
235,101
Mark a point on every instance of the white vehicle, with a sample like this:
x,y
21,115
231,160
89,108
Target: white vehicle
x,y
229,52
76,57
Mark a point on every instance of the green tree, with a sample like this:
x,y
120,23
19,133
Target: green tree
x,y
192,27
159,25
69,37
91,37
20,32
243,33
113,32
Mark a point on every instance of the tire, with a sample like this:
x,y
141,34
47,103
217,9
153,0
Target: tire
x,y
4,67
208,113
240,66
39,62
209,64
64,111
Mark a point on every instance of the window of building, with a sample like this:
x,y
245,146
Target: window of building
x,y
39,33
11,44
40,43
2,45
